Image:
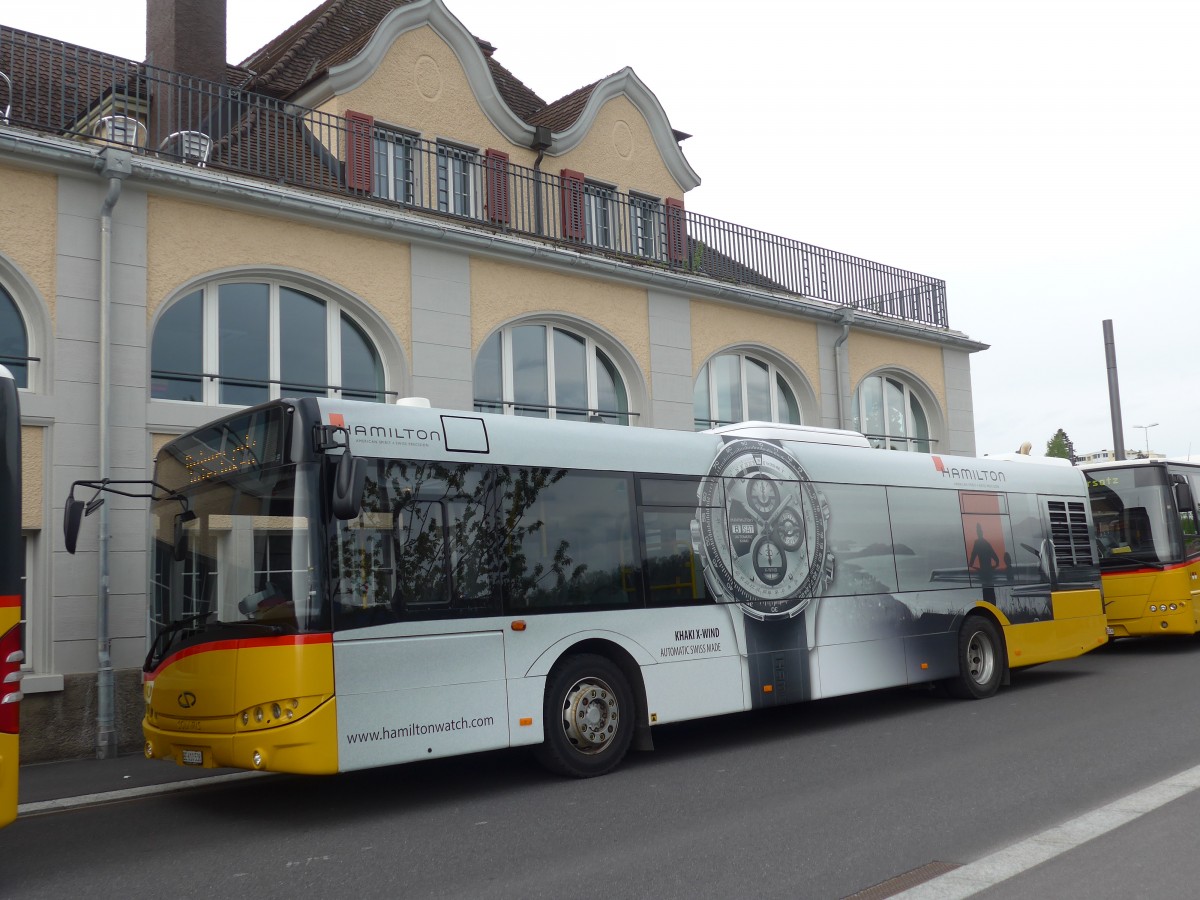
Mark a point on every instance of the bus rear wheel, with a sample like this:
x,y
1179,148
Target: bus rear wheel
x,y
588,712
980,660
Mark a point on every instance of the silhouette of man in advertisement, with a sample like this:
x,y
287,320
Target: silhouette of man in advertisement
x,y
984,556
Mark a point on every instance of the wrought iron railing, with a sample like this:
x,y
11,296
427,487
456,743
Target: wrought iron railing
x,y
72,92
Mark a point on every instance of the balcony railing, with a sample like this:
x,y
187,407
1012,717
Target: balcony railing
x,y
71,92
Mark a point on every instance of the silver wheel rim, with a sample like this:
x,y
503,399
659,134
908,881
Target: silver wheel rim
x,y
981,658
590,715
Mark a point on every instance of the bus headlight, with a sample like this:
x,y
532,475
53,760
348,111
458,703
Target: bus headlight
x,y
276,712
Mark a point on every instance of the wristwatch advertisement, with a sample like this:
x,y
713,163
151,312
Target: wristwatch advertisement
x,y
761,532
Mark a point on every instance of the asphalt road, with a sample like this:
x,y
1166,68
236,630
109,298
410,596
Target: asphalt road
x,y
816,801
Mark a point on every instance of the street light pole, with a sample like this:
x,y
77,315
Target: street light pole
x,y
1146,429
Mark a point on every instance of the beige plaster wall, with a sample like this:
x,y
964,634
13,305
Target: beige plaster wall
x,y
868,351
500,292
373,269
158,441
33,455
421,85
715,327
620,149
29,216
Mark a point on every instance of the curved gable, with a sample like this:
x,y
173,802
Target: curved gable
x,y
626,83
433,13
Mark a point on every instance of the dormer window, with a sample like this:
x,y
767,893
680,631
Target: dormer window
x,y
397,165
598,202
458,172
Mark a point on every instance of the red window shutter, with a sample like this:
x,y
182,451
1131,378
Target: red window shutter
x,y
574,227
497,186
360,148
676,231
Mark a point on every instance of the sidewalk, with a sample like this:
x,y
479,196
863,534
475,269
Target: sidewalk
x,y
82,782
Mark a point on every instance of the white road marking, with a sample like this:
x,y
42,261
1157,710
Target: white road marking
x,y
1024,855
129,793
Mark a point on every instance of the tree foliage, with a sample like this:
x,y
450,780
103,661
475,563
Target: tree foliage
x,y
1060,446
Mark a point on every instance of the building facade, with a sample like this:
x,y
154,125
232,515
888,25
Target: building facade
x,y
372,206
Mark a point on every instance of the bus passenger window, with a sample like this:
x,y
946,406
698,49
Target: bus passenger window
x,y
673,571
567,539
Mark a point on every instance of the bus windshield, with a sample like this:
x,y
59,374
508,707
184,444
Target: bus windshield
x,y
1134,513
241,554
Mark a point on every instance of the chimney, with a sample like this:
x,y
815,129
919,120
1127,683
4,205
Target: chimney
x,y
187,36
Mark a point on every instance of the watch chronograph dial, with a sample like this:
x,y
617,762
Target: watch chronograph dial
x,y
762,527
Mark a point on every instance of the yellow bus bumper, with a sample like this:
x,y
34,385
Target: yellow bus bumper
x,y
304,747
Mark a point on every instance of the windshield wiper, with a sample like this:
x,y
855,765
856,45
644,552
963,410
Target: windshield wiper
x,y
166,635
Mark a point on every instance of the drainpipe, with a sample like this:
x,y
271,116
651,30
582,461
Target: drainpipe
x,y
541,141
114,165
845,317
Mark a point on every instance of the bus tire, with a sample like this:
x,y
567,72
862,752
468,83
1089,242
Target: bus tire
x,y
980,660
589,712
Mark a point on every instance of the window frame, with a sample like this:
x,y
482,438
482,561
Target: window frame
x,y
386,141
509,404
211,376
29,361
645,225
455,162
775,377
911,442
599,214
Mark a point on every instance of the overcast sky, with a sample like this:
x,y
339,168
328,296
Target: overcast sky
x,y
1039,155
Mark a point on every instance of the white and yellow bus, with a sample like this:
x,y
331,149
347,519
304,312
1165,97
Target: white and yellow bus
x,y
339,585
11,591
1149,546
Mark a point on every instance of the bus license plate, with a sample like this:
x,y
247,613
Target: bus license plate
x,y
193,757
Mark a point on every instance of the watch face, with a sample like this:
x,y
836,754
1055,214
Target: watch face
x,y
762,530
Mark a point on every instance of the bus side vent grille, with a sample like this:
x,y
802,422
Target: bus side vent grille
x,y
1069,533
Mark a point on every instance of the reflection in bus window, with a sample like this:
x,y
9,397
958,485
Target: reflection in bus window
x,y
1133,521
567,539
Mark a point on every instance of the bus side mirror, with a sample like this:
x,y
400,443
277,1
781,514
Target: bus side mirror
x,y
349,478
72,516
1183,496
180,546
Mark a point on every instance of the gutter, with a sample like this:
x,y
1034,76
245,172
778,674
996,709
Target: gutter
x,y
254,195
847,316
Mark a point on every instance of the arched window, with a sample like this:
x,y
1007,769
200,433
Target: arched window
x,y
736,387
887,411
14,340
244,342
549,372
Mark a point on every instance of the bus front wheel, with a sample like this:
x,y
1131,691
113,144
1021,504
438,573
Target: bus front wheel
x,y
589,717
980,660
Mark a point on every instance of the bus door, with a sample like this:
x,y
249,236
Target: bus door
x,y
419,673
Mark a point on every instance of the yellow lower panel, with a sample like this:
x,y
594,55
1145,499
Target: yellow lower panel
x,y
9,767
305,747
1078,626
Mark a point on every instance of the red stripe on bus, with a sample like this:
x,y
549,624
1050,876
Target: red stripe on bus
x,y
239,644
10,600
